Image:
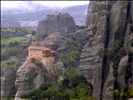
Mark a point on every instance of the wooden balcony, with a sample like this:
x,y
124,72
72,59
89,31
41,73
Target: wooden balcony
x,y
46,55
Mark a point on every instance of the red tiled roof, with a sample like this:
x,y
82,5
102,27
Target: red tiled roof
x,y
52,51
32,58
41,48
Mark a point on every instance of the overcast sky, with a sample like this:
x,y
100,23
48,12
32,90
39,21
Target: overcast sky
x,y
14,4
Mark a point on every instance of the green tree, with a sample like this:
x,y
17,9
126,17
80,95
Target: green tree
x,y
116,94
72,73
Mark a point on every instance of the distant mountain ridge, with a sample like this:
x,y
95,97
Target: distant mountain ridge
x,y
30,17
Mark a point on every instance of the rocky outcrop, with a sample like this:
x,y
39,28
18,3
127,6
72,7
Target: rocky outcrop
x,y
129,33
107,21
30,76
56,22
109,93
122,71
80,35
60,40
89,12
8,77
59,67
118,21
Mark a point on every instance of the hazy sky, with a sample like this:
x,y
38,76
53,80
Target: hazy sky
x,y
14,4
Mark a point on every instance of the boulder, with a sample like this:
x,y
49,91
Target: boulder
x,y
130,99
80,35
56,22
123,62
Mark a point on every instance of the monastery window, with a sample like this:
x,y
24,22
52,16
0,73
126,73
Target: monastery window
x,y
45,52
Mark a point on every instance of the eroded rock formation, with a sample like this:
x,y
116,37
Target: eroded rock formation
x,y
56,22
60,40
108,22
90,59
80,35
30,76
8,77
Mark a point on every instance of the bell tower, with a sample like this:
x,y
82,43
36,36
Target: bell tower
x,y
51,37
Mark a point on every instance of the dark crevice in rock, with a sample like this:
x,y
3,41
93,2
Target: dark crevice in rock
x,y
106,42
127,16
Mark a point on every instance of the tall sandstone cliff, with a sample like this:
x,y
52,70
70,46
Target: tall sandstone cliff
x,y
108,22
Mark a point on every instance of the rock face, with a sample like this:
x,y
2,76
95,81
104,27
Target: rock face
x,y
90,60
121,70
57,22
131,37
8,77
89,12
129,33
59,67
108,87
30,76
80,35
61,40
107,21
